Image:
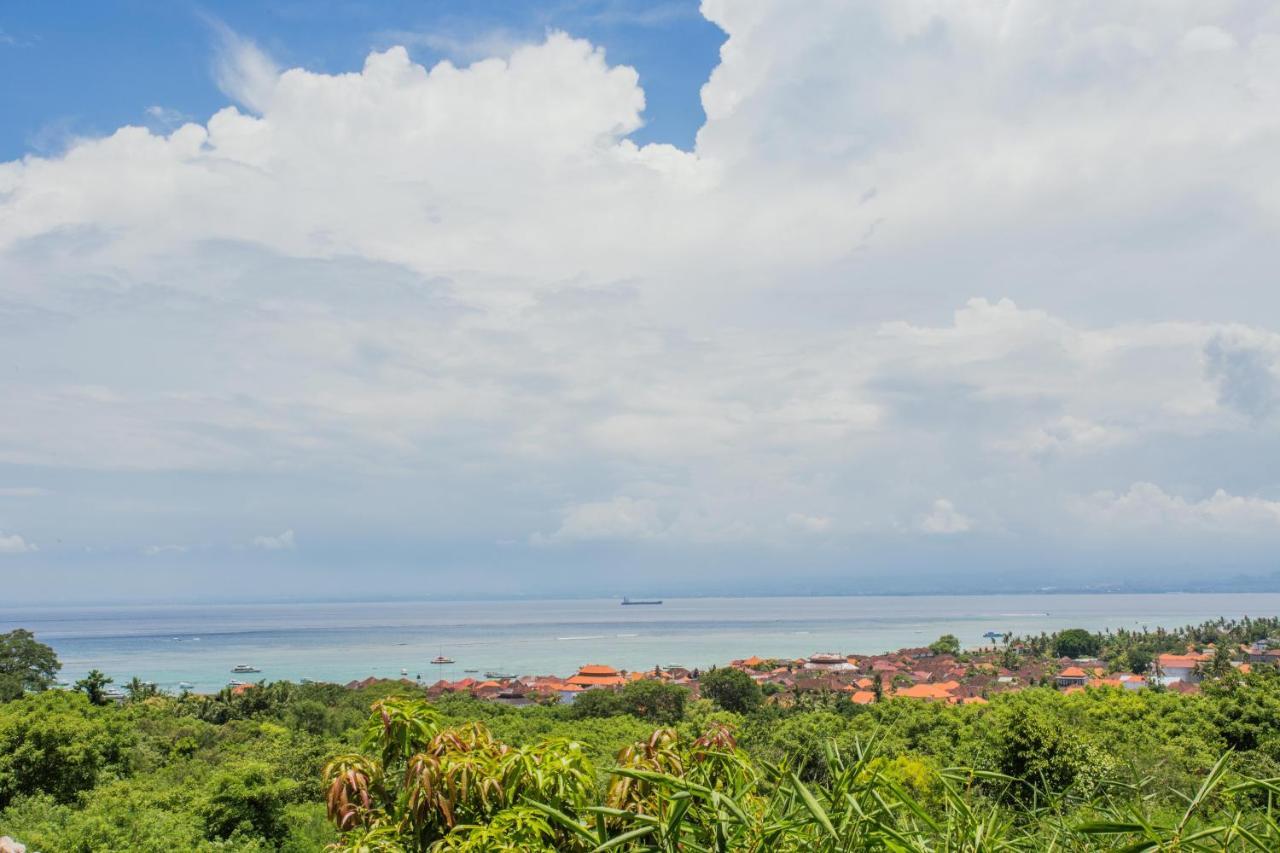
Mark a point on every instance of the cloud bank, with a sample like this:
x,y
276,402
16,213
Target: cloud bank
x,y
1020,255
15,544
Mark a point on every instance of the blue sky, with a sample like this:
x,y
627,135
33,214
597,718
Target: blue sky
x,y
749,295
85,68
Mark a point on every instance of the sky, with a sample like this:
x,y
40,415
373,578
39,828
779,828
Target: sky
x,y
343,299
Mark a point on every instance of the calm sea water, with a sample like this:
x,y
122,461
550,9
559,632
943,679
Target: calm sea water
x,y
341,642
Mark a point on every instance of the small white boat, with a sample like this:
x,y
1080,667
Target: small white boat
x,y
234,683
244,667
439,659
404,671
185,685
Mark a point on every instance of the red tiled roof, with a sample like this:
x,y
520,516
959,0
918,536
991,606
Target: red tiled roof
x,y
925,691
597,681
597,669
1181,661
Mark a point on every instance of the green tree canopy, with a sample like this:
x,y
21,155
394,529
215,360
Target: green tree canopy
x,y
597,702
57,743
732,690
947,644
94,685
247,799
1140,660
654,701
1076,643
26,665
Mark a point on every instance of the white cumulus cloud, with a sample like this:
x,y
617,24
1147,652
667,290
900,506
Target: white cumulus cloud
x,y
1146,505
283,542
1005,253
945,519
620,518
12,543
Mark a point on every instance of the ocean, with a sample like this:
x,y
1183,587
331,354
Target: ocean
x,y
199,644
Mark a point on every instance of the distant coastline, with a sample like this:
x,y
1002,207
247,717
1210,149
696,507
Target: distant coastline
x,y
1260,585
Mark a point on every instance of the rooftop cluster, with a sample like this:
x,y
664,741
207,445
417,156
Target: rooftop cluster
x,y
941,672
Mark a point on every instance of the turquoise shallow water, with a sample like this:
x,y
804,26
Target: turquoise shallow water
x,y
341,642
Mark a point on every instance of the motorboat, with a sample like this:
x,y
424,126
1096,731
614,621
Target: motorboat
x,y
441,659
244,667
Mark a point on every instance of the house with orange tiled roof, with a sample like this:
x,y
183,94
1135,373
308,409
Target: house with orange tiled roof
x,y
1260,652
862,697
597,675
1072,676
936,692
1173,668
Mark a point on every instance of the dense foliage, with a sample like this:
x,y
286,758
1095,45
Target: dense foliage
x,y
25,664
298,767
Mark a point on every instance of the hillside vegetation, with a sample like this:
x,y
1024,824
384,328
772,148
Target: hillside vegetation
x,y
298,767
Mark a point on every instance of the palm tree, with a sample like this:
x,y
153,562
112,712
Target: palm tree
x,y
94,685
139,689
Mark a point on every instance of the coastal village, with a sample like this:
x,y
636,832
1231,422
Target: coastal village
x,y
925,673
